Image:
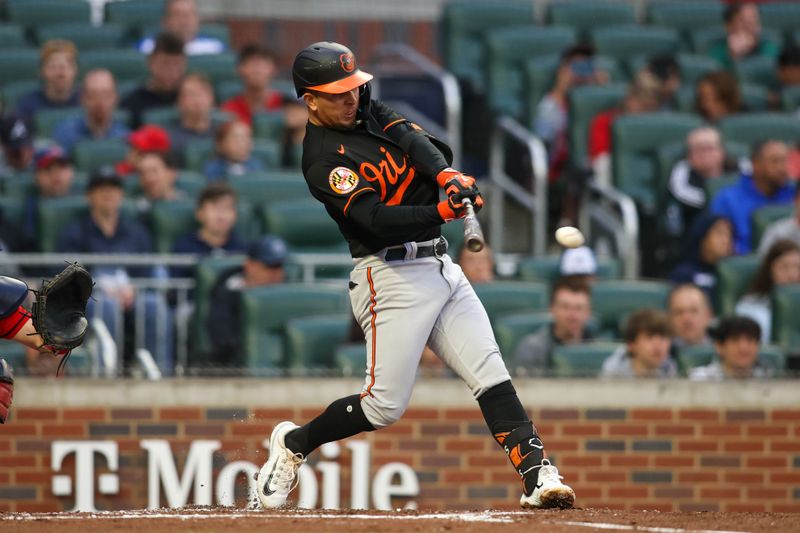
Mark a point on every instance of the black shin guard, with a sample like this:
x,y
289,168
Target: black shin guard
x,y
343,418
513,431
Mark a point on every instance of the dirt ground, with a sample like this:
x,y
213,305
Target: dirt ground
x,y
208,520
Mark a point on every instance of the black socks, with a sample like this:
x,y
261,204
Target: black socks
x,y
343,418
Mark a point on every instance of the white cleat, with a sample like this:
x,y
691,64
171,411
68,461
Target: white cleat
x,y
549,491
278,476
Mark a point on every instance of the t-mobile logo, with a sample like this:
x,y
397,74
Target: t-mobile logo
x,y
83,487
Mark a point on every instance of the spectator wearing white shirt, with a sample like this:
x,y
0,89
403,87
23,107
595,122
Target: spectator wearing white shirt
x,y
182,18
736,342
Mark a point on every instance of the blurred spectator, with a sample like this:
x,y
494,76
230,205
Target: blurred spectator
x,y
263,266
194,122
182,18
167,65
710,239
690,316
576,67
234,147
687,185
54,178
785,228
571,307
216,216
58,66
17,141
107,230
148,138
478,267
644,96
579,263
736,343
99,100
780,266
788,74
769,185
256,67
717,96
157,177
646,350
668,73
295,115
9,242
743,39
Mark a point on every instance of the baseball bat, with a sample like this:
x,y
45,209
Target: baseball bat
x,y
473,234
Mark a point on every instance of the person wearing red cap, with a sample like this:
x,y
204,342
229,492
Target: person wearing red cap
x,y
148,138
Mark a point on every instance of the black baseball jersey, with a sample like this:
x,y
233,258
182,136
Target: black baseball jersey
x,y
377,194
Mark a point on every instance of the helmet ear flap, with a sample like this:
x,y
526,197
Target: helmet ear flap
x,y
364,99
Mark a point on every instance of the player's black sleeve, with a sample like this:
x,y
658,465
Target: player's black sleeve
x,y
373,215
428,154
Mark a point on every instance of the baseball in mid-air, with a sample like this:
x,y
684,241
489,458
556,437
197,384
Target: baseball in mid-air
x,y
569,237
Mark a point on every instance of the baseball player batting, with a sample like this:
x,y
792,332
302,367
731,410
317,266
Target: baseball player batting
x,y
378,176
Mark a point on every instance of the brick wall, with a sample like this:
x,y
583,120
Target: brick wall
x,y
684,459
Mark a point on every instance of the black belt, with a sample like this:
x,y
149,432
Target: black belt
x,y
437,249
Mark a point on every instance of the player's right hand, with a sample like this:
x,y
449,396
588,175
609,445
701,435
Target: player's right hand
x,y
453,181
454,207
6,389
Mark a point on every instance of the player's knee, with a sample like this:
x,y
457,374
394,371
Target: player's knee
x,y
382,412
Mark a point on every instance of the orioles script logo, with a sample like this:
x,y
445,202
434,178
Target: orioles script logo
x,y
348,62
392,178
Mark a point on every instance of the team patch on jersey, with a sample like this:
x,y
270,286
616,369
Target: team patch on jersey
x,y
342,180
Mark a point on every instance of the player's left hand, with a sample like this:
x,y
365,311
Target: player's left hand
x,y
6,389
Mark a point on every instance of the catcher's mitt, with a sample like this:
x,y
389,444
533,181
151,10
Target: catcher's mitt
x,y
59,312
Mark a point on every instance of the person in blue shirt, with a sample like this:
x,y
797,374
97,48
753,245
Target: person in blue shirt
x,y
216,216
234,146
768,185
105,229
59,70
99,100
182,18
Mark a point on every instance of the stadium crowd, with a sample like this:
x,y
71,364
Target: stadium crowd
x,y
184,158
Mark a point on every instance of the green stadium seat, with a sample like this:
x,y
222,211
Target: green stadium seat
x,y
690,357
636,140
586,102
685,16
501,298
790,99
757,70
46,119
160,116
19,64
206,274
37,13
509,48
781,16
54,215
462,26
714,186
268,152
217,31
84,35
90,155
265,188
581,360
125,64
545,268
135,14
170,220
190,182
614,300
510,329
11,207
311,342
695,66
702,39
773,357
749,128
21,185
765,216
13,91
734,275
785,326
350,359
625,43
266,310
216,67
268,125
587,16
12,36
755,97
304,225
226,89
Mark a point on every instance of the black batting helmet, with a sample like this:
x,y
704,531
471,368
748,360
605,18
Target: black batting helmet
x,y
327,67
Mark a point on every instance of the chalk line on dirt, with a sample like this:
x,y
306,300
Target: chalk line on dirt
x,y
628,527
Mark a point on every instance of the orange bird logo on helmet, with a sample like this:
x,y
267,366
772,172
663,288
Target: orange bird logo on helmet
x,y
348,62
